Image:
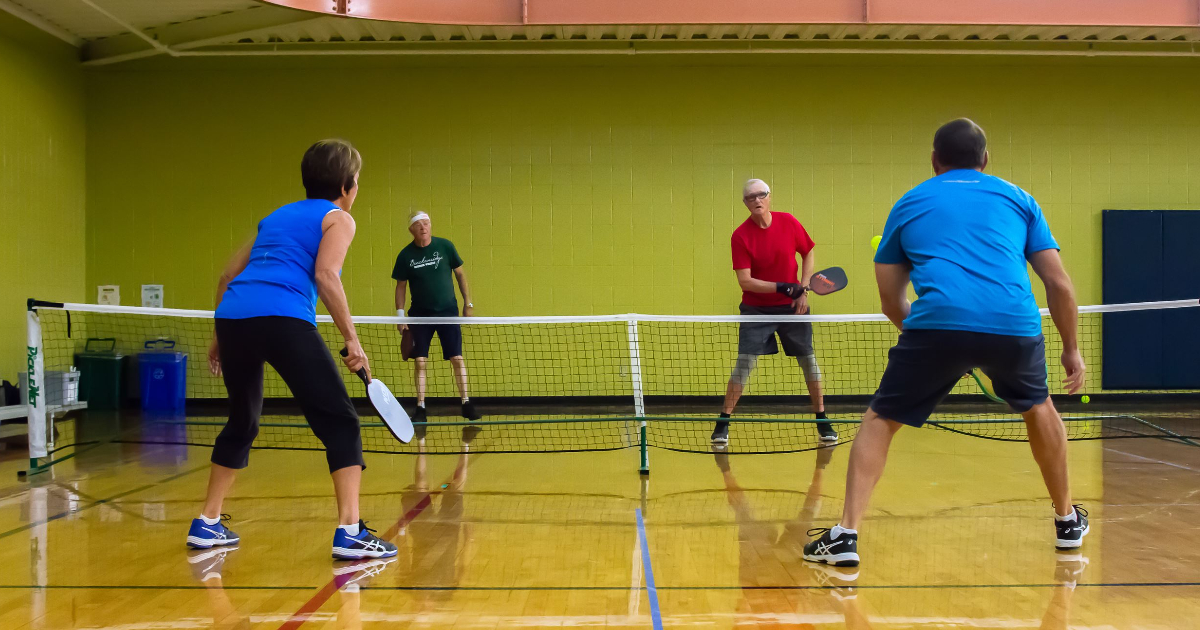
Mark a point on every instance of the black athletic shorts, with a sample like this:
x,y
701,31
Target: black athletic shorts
x,y
449,334
924,366
295,349
758,338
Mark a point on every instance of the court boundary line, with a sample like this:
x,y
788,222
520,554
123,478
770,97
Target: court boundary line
x,y
324,593
778,587
98,502
1151,459
651,589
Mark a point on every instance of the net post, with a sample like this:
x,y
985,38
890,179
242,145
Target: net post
x,y
39,433
639,402
645,496
644,468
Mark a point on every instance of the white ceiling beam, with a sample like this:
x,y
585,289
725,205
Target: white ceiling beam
x,y
230,38
126,25
218,29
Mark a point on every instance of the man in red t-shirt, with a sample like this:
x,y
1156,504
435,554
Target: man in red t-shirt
x,y
764,259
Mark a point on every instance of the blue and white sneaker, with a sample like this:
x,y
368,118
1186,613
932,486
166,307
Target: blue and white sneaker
x,y
365,545
205,536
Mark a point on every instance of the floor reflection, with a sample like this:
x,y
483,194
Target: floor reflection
x,y
208,566
768,555
434,547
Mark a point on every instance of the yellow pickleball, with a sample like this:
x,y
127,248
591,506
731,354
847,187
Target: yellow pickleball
x,y
1085,399
875,241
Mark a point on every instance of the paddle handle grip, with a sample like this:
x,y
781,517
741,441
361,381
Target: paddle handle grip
x,y
362,372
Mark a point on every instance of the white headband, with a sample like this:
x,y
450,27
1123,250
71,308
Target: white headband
x,y
418,217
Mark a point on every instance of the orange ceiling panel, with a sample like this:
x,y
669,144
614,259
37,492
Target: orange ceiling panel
x,y
555,12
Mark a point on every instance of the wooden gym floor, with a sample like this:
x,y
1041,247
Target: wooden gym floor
x,y
959,536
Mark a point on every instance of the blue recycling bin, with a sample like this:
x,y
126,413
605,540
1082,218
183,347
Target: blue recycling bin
x,y
163,375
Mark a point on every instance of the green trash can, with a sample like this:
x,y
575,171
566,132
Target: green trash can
x,y
100,374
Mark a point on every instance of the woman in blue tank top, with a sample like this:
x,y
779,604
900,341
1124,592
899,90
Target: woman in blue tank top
x,y
266,314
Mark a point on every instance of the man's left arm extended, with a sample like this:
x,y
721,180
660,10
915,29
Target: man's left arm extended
x,y
460,274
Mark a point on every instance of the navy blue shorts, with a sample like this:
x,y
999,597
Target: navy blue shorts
x,y
449,334
924,366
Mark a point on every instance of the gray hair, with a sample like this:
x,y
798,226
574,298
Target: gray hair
x,y
751,183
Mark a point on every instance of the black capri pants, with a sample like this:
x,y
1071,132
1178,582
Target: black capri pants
x,y
295,349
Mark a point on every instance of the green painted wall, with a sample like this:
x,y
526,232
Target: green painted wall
x,y
613,188
41,179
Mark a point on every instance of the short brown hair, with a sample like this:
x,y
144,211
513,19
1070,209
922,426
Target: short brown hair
x,y
328,168
960,144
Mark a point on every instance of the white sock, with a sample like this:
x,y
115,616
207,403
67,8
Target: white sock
x,y
350,529
838,530
421,404
210,521
466,399
1064,519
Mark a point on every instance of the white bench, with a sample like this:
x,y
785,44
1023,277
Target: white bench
x,y
13,412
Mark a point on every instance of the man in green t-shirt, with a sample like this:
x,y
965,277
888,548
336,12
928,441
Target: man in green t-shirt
x,y
428,263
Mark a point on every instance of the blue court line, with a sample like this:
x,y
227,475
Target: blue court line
x,y
651,591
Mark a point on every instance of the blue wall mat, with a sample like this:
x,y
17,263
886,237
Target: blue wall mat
x,y
1132,267
1181,280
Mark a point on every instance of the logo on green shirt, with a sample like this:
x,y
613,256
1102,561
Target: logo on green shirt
x,y
429,261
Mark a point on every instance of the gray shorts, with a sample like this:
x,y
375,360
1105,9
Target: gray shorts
x,y
758,338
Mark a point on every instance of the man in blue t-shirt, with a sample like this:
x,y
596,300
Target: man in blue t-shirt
x,y
963,239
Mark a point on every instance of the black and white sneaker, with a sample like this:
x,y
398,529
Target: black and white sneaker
x,y
840,552
825,430
365,545
720,434
470,412
1069,534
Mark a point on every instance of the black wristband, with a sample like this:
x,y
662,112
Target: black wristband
x,y
790,289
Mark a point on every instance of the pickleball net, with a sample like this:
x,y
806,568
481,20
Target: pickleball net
x,y
591,383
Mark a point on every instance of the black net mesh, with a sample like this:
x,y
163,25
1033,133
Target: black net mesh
x,y
589,385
